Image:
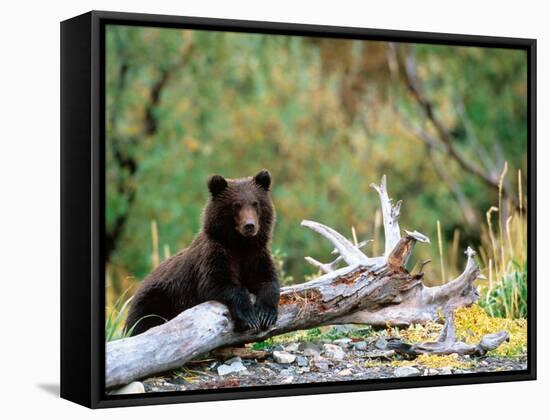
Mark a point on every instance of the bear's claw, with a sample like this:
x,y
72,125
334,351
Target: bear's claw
x,y
266,315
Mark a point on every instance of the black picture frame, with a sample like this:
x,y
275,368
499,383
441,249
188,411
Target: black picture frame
x,y
83,219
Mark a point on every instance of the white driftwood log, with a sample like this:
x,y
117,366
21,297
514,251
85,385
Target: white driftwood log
x,y
368,290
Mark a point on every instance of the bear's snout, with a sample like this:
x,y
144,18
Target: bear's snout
x,y
250,228
248,225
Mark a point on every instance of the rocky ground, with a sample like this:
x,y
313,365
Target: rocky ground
x,y
343,359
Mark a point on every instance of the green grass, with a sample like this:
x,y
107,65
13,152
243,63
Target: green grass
x,y
114,319
508,297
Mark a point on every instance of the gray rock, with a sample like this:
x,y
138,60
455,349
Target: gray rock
x,y
278,347
287,379
381,343
233,360
360,345
308,345
292,347
302,361
312,353
320,363
344,372
131,388
283,357
343,342
445,371
333,351
406,371
234,367
431,372
310,349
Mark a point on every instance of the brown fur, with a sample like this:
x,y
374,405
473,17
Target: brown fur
x,y
228,260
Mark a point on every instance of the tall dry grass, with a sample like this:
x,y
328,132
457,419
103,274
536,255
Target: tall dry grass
x,y
502,254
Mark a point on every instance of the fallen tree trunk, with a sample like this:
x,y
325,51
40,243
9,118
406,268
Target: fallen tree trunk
x,y
378,291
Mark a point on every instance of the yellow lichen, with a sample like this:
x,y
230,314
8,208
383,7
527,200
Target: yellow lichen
x,y
473,323
374,363
436,362
433,361
417,333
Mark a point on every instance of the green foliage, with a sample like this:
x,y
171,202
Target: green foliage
x,y
115,318
262,345
508,299
319,114
279,259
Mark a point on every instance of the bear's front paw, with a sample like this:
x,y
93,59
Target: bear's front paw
x,y
267,315
246,319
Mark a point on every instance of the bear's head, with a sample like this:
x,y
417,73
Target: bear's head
x,y
239,210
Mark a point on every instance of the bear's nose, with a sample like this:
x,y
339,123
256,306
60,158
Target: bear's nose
x,y
249,227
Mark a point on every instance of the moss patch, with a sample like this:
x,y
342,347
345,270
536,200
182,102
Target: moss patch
x,y
473,323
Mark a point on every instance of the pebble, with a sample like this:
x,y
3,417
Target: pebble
x,y
308,345
333,351
288,380
310,349
233,360
234,367
321,363
302,361
283,357
292,347
446,371
360,345
343,342
381,343
406,371
431,372
312,353
131,388
345,372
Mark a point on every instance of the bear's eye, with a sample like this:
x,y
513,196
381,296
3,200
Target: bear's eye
x,y
255,204
237,206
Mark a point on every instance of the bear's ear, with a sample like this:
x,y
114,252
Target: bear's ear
x,y
263,179
216,184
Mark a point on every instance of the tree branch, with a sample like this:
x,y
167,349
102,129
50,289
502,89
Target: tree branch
x,y
414,86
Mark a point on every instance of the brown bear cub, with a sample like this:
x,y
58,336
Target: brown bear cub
x,y
227,261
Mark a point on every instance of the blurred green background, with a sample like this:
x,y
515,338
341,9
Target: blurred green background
x,y
327,117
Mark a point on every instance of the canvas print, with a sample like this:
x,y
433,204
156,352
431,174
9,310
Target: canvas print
x,y
288,210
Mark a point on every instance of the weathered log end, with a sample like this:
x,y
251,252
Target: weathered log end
x,y
459,292
402,251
